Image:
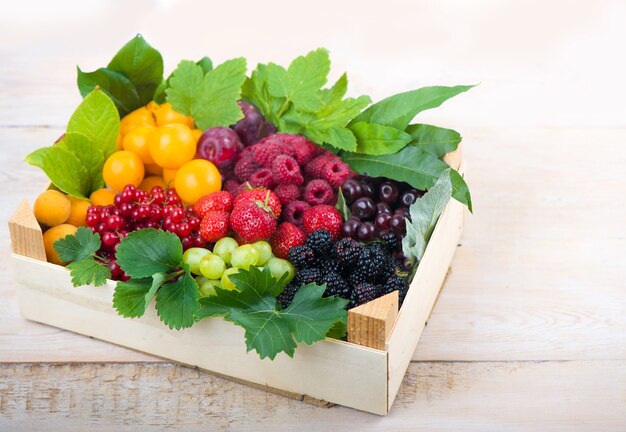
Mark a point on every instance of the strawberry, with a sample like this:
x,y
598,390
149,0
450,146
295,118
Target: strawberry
x,y
261,195
252,220
322,217
215,225
286,236
222,201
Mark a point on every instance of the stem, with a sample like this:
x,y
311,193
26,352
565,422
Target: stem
x,y
283,108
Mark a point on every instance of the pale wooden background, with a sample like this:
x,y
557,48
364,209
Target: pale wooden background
x,y
529,332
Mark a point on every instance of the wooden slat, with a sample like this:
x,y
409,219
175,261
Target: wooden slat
x,y
370,324
26,237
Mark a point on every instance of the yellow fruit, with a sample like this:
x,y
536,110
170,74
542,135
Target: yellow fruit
x,y
140,117
52,235
78,212
52,208
122,168
102,197
152,181
169,175
154,169
136,141
172,146
197,133
165,115
119,141
152,107
196,179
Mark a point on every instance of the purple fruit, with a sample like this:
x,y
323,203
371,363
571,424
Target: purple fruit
x,y
366,231
220,145
398,225
382,221
253,126
388,192
368,190
351,190
383,207
363,208
350,228
409,197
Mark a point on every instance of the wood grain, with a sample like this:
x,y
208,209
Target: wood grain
x,y
435,396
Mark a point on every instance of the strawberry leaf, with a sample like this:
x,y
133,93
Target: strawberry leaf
x,y
177,302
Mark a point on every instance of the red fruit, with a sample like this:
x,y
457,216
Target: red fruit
x,y
286,236
265,152
252,220
260,195
315,168
285,169
322,217
231,185
220,145
245,167
222,201
215,225
262,178
336,172
293,212
287,193
318,192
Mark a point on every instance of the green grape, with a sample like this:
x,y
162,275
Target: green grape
x,y
278,267
224,248
212,266
192,257
244,256
226,282
207,286
265,251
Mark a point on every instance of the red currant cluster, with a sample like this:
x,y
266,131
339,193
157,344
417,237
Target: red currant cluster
x,y
134,209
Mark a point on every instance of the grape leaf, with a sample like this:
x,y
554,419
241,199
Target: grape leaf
x,y
432,139
375,139
120,89
268,329
398,110
79,246
131,298
211,98
424,214
88,272
177,302
148,251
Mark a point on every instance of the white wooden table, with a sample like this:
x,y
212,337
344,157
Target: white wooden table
x,y
529,332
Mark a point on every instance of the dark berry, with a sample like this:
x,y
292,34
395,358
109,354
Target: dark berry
x,y
302,257
390,240
285,297
397,283
409,197
364,292
398,225
350,228
388,192
382,221
336,285
383,207
368,190
351,190
366,231
309,275
363,208
321,242
347,251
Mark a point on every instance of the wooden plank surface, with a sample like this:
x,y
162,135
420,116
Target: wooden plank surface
x,y
528,332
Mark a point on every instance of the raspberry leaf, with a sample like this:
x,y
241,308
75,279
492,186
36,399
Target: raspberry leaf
x,y
268,329
88,272
424,213
148,251
375,139
398,110
83,244
177,302
131,298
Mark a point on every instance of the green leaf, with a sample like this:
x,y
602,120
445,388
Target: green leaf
x,y
177,302
63,169
97,119
374,139
206,64
460,191
142,65
76,247
334,94
120,89
159,95
131,298
398,110
148,251
424,214
90,157
268,329
410,165
88,272
342,206
210,99
301,82
255,90
339,137
432,139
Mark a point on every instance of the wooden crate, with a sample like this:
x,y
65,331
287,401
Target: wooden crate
x,y
364,373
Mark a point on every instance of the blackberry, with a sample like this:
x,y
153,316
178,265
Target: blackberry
x,y
285,297
399,283
348,251
309,275
328,265
302,257
371,262
363,293
390,241
336,285
321,242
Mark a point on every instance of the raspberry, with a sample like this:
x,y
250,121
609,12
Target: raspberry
x,y
222,201
336,172
318,192
231,186
266,152
293,212
302,257
260,195
285,238
262,178
301,148
285,169
215,225
287,193
320,242
314,168
322,217
245,167
363,293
